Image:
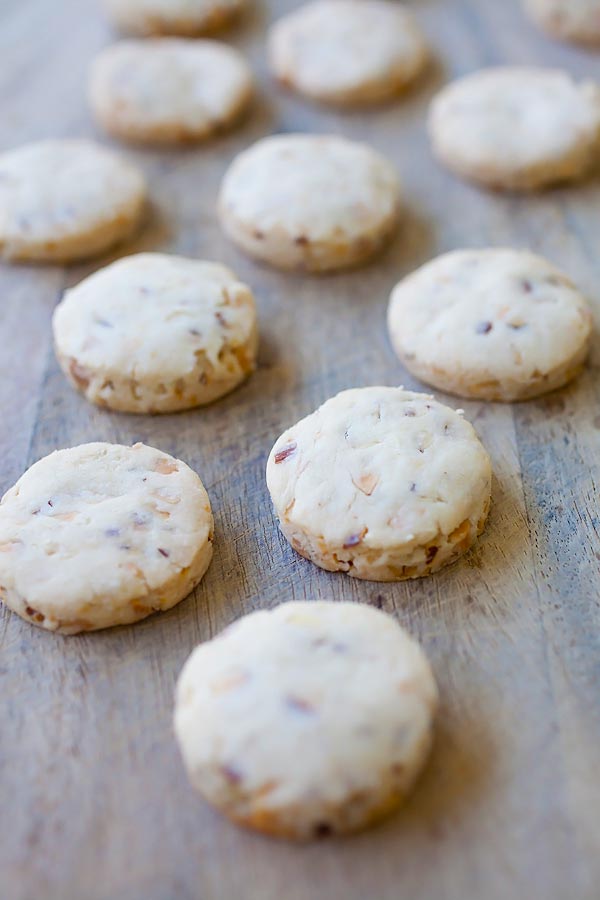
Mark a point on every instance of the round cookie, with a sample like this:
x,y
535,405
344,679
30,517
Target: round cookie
x,y
102,535
516,128
312,719
179,17
495,324
309,202
168,90
62,200
156,333
347,51
381,483
570,20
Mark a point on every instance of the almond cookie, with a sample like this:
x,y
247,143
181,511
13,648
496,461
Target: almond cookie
x,y
381,483
102,535
156,333
168,90
182,17
570,20
347,51
62,200
312,202
516,128
495,324
312,719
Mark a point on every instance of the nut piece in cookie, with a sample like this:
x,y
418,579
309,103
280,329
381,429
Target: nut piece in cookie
x,y
312,719
347,52
309,202
157,333
496,324
101,535
170,90
517,128
63,200
381,483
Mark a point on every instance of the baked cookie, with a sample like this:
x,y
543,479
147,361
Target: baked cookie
x,y
102,535
312,719
62,200
181,17
168,90
347,51
569,20
516,128
313,202
156,333
495,324
381,483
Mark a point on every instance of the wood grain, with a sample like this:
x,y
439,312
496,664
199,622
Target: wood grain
x,y
94,801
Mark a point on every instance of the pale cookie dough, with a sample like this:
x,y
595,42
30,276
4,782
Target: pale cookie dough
x,y
495,324
62,200
381,483
347,51
570,20
309,720
168,90
102,535
180,17
517,128
312,202
156,333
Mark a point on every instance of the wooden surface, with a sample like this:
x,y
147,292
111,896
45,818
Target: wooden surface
x,y
94,803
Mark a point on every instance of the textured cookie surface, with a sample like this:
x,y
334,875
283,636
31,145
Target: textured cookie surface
x,y
311,719
310,202
347,51
65,199
156,333
498,324
381,483
572,20
168,90
102,534
183,17
516,128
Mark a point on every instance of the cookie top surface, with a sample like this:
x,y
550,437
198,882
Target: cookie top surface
x,y
516,127
99,525
310,188
379,466
498,314
574,20
171,16
59,190
347,50
304,708
151,314
168,88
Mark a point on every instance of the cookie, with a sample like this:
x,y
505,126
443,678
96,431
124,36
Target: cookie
x,y
381,483
495,324
347,51
63,200
156,333
168,90
516,128
309,202
179,17
102,535
569,20
312,719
